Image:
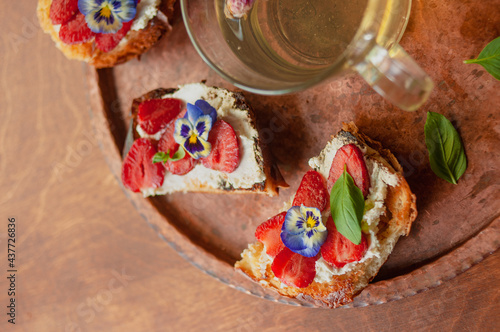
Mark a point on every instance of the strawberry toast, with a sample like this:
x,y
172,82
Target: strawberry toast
x,y
105,33
343,222
197,139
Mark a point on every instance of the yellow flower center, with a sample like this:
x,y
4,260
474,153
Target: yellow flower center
x,y
193,139
310,222
106,11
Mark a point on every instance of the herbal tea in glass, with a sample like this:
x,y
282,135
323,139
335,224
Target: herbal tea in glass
x,y
291,37
282,46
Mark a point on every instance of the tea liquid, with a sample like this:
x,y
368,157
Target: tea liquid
x,y
291,39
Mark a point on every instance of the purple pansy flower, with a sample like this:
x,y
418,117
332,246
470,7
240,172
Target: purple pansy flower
x,y
107,16
303,231
191,131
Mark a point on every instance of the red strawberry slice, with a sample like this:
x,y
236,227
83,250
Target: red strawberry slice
x,y
351,156
168,144
154,114
108,41
138,170
294,269
338,250
62,11
269,233
75,31
225,153
312,191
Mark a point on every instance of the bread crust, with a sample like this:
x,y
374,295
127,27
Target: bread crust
x,y
401,212
274,179
137,43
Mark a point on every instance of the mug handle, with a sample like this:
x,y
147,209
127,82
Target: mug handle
x,y
396,76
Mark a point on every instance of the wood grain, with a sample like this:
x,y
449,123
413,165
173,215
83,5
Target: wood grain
x,y
78,232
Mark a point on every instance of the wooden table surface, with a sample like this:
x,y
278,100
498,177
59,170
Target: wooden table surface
x,y
87,261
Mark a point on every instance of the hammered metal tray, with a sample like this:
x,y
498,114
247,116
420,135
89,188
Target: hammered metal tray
x,y
457,226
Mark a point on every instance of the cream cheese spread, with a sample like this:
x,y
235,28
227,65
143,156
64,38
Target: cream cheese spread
x,y
145,12
380,178
143,134
250,170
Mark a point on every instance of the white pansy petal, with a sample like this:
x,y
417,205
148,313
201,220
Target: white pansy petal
x,y
294,221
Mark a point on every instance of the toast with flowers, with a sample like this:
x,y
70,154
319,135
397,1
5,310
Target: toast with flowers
x,y
330,241
197,138
105,33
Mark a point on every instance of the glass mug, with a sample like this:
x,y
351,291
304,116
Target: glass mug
x,y
283,46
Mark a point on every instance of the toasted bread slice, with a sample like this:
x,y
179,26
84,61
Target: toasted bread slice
x,y
256,172
335,287
135,43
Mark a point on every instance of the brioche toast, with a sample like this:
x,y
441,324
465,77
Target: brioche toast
x,y
150,24
255,172
391,209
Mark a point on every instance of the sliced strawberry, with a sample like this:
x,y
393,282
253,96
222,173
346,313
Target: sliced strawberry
x,y
62,11
351,156
225,153
108,41
338,250
138,170
269,233
168,144
154,114
294,269
312,191
75,31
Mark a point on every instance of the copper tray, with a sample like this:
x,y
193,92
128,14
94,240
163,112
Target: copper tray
x,y
457,225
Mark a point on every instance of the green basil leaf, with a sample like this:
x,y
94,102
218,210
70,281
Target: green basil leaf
x,y
347,205
162,157
446,152
179,154
489,58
